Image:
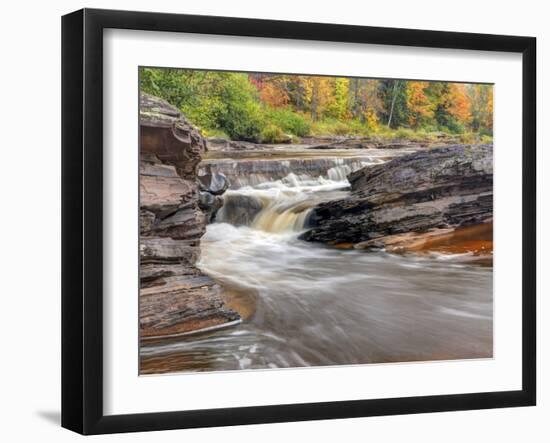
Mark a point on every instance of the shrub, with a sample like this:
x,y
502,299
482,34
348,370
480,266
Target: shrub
x,y
338,127
404,133
273,134
289,121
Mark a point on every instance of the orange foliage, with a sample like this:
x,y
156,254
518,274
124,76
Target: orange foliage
x,y
420,107
274,94
459,102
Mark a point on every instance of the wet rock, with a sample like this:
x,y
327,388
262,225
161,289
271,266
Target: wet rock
x,y
206,200
210,204
476,239
239,209
439,188
175,296
215,183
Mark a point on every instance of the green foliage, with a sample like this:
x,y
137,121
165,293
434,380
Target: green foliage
x,y
214,101
332,126
276,108
339,107
472,138
288,121
273,134
394,91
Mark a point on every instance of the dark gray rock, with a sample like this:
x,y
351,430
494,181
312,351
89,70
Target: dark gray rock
x,y
215,183
210,204
444,187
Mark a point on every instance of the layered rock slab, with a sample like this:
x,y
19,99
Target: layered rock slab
x,y
429,193
176,298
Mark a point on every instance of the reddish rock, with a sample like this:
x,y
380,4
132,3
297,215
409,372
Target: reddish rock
x,y
175,297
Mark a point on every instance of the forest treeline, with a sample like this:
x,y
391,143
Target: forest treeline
x,y
275,107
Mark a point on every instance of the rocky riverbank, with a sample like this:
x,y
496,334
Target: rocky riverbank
x,y
328,142
433,199
176,298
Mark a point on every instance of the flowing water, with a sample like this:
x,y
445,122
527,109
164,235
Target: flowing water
x,y
305,304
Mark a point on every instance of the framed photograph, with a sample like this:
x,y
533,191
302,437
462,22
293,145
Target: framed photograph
x,y
269,221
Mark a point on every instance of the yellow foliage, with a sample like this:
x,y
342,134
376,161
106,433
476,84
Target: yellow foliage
x,y
420,107
459,102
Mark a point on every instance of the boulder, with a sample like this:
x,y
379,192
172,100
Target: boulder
x,y
210,204
434,189
215,183
167,134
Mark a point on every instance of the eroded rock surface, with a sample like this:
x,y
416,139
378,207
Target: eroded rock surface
x,y
432,192
175,296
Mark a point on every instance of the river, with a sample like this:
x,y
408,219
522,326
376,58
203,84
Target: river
x,y
306,304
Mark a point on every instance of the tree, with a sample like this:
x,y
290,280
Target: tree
x,y
339,107
393,95
244,106
481,107
364,100
459,103
420,108
274,94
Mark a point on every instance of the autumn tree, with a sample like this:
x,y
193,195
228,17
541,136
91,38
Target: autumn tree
x,y
264,107
338,107
459,103
420,107
481,107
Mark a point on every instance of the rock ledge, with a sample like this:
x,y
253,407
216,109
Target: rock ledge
x,y
176,298
432,192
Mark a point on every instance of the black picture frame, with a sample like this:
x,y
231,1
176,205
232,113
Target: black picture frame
x,y
82,218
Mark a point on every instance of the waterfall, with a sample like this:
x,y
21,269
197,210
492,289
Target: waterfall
x,y
281,205
279,216
255,172
277,195
339,173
